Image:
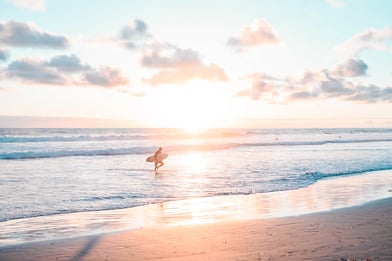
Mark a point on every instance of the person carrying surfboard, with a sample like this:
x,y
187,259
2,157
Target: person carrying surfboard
x,y
158,160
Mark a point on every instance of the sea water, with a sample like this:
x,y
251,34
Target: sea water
x,y
46,172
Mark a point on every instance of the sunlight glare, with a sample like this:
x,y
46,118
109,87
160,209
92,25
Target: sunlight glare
x,y
195,162
192,108
195,131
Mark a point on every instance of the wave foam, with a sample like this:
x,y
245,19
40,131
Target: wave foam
x,y
184,147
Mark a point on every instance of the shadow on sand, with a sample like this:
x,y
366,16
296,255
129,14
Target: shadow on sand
x,y
86,248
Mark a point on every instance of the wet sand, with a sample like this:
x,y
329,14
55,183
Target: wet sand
x,y
355,233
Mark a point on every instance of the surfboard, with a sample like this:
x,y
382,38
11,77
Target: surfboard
x,y
161,157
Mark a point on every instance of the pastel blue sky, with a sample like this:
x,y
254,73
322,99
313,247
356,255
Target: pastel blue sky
x,y
319,63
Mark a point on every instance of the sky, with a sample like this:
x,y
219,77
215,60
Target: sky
x,y
196,64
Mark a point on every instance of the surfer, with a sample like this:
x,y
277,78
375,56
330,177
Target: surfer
x,y
158,160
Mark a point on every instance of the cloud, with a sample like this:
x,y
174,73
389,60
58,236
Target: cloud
x,y
301,95
329,83
19,34
258,89
182,75
259,33
170,57
262,85
32,71
4,55
175,65
351,68
68,63
324,84
105,76
36,5
369,39
178,65
310,77
64,70
343,90
336,3
320,85
134,35
335,88
372,94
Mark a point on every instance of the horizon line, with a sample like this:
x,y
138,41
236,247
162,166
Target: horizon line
x,y
31,121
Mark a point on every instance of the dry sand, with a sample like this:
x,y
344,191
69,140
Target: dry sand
x,y
356,233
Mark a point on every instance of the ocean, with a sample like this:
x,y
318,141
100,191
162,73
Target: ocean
x,y
47,173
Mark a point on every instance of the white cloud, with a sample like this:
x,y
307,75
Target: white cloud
x,y
178,66
262,86
369,39
259,33
180,75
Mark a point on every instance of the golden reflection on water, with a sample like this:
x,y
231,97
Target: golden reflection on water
x,y
195,163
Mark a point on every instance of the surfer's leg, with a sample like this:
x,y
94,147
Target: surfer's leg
x,y
157,167
161,164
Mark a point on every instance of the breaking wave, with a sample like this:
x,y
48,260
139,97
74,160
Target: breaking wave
x,y
176,148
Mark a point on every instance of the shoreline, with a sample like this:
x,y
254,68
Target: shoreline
x,y
323,196
360,232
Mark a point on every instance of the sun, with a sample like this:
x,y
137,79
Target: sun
x,y
192,108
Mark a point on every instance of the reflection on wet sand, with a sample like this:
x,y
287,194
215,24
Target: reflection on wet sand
x,y
324,195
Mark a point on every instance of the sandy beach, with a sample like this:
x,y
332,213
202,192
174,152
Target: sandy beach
x,y
356,233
